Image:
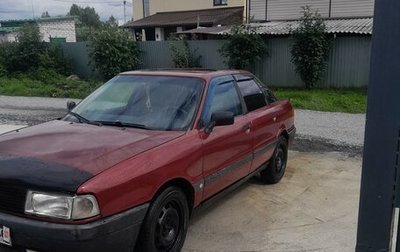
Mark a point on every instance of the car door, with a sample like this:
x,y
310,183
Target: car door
x,y
227,150
262,115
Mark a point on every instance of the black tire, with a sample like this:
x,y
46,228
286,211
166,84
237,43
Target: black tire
x,y
277,164
165,226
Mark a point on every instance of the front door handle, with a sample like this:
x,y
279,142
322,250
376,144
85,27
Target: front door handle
x,y
247,128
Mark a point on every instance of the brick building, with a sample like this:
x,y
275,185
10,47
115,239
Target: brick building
x,y
55,29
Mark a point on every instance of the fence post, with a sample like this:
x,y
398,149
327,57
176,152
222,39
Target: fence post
x,y
382,130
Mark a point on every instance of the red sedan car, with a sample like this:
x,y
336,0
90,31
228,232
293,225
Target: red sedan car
x,y
124,169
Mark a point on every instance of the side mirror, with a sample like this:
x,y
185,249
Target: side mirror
x,y
71,105
221,118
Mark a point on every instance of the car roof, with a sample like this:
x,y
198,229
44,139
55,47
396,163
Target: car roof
x,y
193,72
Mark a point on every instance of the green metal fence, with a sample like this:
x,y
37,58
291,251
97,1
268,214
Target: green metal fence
x,y
348,64
78,55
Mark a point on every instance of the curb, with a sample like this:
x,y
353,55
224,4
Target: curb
x,y
305,143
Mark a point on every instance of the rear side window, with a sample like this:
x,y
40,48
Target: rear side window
x,y
222,96
252,94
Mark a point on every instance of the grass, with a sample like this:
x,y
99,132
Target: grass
x,y
46,86
50,84
331,100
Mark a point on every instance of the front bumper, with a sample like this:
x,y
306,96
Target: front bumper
x,y
116,233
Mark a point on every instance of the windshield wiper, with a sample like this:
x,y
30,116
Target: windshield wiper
x,y
82,119
124,124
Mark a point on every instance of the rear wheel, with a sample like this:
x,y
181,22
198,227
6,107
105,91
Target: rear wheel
x,y
277,164
165,226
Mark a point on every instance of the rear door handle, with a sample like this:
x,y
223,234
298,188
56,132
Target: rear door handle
x,y
274,117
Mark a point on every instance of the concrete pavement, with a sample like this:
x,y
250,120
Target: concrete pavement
x,y
314,208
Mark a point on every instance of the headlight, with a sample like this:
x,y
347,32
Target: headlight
x,y
61,206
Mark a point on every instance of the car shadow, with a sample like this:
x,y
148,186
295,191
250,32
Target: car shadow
x,y
201,211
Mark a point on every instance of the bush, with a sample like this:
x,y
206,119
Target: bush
x,y
30,54
25,54
310,47
182,55
113,51
243,47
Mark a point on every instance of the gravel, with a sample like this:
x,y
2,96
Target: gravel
x,y
337,127
16,110
319,131
34,103
316,131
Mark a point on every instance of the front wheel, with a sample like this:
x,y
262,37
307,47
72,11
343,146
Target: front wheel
x,y
277,164
165,226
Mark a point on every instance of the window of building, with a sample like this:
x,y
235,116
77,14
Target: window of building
x,y
253,95
220,2
146,8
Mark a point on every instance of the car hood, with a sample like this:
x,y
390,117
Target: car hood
x,y
71,153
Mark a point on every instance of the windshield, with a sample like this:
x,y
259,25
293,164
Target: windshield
x,y
150,102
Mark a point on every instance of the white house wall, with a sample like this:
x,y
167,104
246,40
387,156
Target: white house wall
x,y
8,37
58,29
291,9
179,5
257,10
354,8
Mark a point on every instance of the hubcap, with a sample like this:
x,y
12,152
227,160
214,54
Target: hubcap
x,y
168,227
279,160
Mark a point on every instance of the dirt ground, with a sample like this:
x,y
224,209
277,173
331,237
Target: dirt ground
x,y
314,208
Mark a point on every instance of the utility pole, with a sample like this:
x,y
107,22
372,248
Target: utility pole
x,y
33,10
380,181
124,11
330,9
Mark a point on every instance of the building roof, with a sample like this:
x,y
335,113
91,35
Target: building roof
x,y
20,22
207,17
334,26
9,29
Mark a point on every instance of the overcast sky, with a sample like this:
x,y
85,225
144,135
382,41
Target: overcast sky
x,y
22,9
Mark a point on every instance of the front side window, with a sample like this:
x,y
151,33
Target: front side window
x,y
154,102
222,97
252,94
220,2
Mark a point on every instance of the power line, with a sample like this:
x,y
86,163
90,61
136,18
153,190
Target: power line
x,y
124,12
33,10
91,2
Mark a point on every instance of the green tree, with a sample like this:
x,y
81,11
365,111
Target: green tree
x,y
310,47
45,14
113,51
244,46
75,10
88,21
112,21
87,16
